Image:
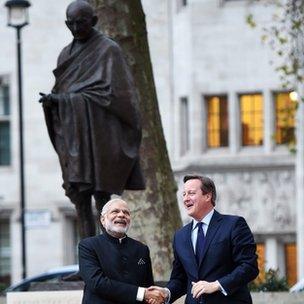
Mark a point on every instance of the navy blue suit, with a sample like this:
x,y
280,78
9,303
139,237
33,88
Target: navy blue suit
x,y
228,256
113,271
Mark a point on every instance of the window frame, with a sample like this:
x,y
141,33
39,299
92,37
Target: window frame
x,y
184,125
242,145
275,113
5,117
220,130
291,262
6,278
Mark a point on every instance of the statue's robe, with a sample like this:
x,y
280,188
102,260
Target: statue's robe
x,y
95,127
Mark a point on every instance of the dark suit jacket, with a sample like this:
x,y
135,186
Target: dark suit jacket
x,y
113,271
228,256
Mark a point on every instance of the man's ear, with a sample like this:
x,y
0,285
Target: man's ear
x,y
94,20
102,220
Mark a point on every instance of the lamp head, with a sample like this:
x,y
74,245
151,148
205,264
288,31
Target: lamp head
x,y
17,13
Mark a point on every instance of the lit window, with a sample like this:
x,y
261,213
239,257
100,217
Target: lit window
x,y
291,263
5,155
252,119
285,118
5,252
261,262
217,121
184,126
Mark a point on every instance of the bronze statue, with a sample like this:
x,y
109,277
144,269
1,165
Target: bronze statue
x,y
92,118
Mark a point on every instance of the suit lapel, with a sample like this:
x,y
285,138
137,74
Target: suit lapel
x,y
212,229
189,246
189,239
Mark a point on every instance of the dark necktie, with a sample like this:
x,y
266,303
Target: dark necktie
x,y
200,241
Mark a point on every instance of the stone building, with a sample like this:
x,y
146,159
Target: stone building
x,y
223,112
233,119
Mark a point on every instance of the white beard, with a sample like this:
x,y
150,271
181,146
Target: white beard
x,y
110,227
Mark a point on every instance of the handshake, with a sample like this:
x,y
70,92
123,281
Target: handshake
x,y
156,295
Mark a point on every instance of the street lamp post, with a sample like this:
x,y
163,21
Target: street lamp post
x,y
18,18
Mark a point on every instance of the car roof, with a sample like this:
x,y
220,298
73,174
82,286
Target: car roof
x,y
74,267
56,270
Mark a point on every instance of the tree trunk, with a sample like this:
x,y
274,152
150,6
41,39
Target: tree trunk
x,y
155,212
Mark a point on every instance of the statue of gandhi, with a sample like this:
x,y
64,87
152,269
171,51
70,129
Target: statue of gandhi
x,y
92,118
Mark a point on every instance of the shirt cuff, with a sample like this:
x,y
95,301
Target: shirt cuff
x,y
140,294
223,291
168,295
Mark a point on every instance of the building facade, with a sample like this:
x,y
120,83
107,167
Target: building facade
x,y
233,121
223,110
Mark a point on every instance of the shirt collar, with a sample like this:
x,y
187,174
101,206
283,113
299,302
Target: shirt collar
x,y
206,219
114,239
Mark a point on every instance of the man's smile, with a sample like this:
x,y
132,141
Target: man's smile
x,y
188,205
120,222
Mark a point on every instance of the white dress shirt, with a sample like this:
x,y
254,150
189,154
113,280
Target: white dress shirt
x,y
206,221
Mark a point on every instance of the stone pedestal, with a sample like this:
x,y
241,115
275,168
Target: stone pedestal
x,y
45,297
269,298
57,286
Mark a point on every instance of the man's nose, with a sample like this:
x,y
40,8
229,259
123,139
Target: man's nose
x,y
75,27
121,213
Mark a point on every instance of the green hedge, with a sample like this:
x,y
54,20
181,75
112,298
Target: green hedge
x,y
272,282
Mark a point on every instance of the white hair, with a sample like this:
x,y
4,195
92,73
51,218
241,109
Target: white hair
x,y
106,207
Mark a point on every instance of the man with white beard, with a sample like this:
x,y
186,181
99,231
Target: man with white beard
x,y
115,267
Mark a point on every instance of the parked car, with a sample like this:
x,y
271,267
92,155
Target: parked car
x,y
298,286
53,275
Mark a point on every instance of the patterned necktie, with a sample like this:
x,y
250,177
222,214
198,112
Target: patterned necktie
x,y
200,241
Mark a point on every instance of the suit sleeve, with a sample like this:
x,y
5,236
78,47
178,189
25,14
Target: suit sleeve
x,y
244,258
178,279
97,282
149,273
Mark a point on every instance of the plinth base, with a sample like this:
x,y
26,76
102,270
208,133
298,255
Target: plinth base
x,y
45,297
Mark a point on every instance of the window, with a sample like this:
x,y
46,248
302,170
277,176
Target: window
x,y
5,252
184,126
71,239
261,262
76,239
217,121
285,110
251,108
5,155
291,263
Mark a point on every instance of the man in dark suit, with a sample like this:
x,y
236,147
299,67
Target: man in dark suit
x,y
214,255
114,267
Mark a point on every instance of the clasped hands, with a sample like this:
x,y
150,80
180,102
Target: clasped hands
x,y
155,295
48,100
201,287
